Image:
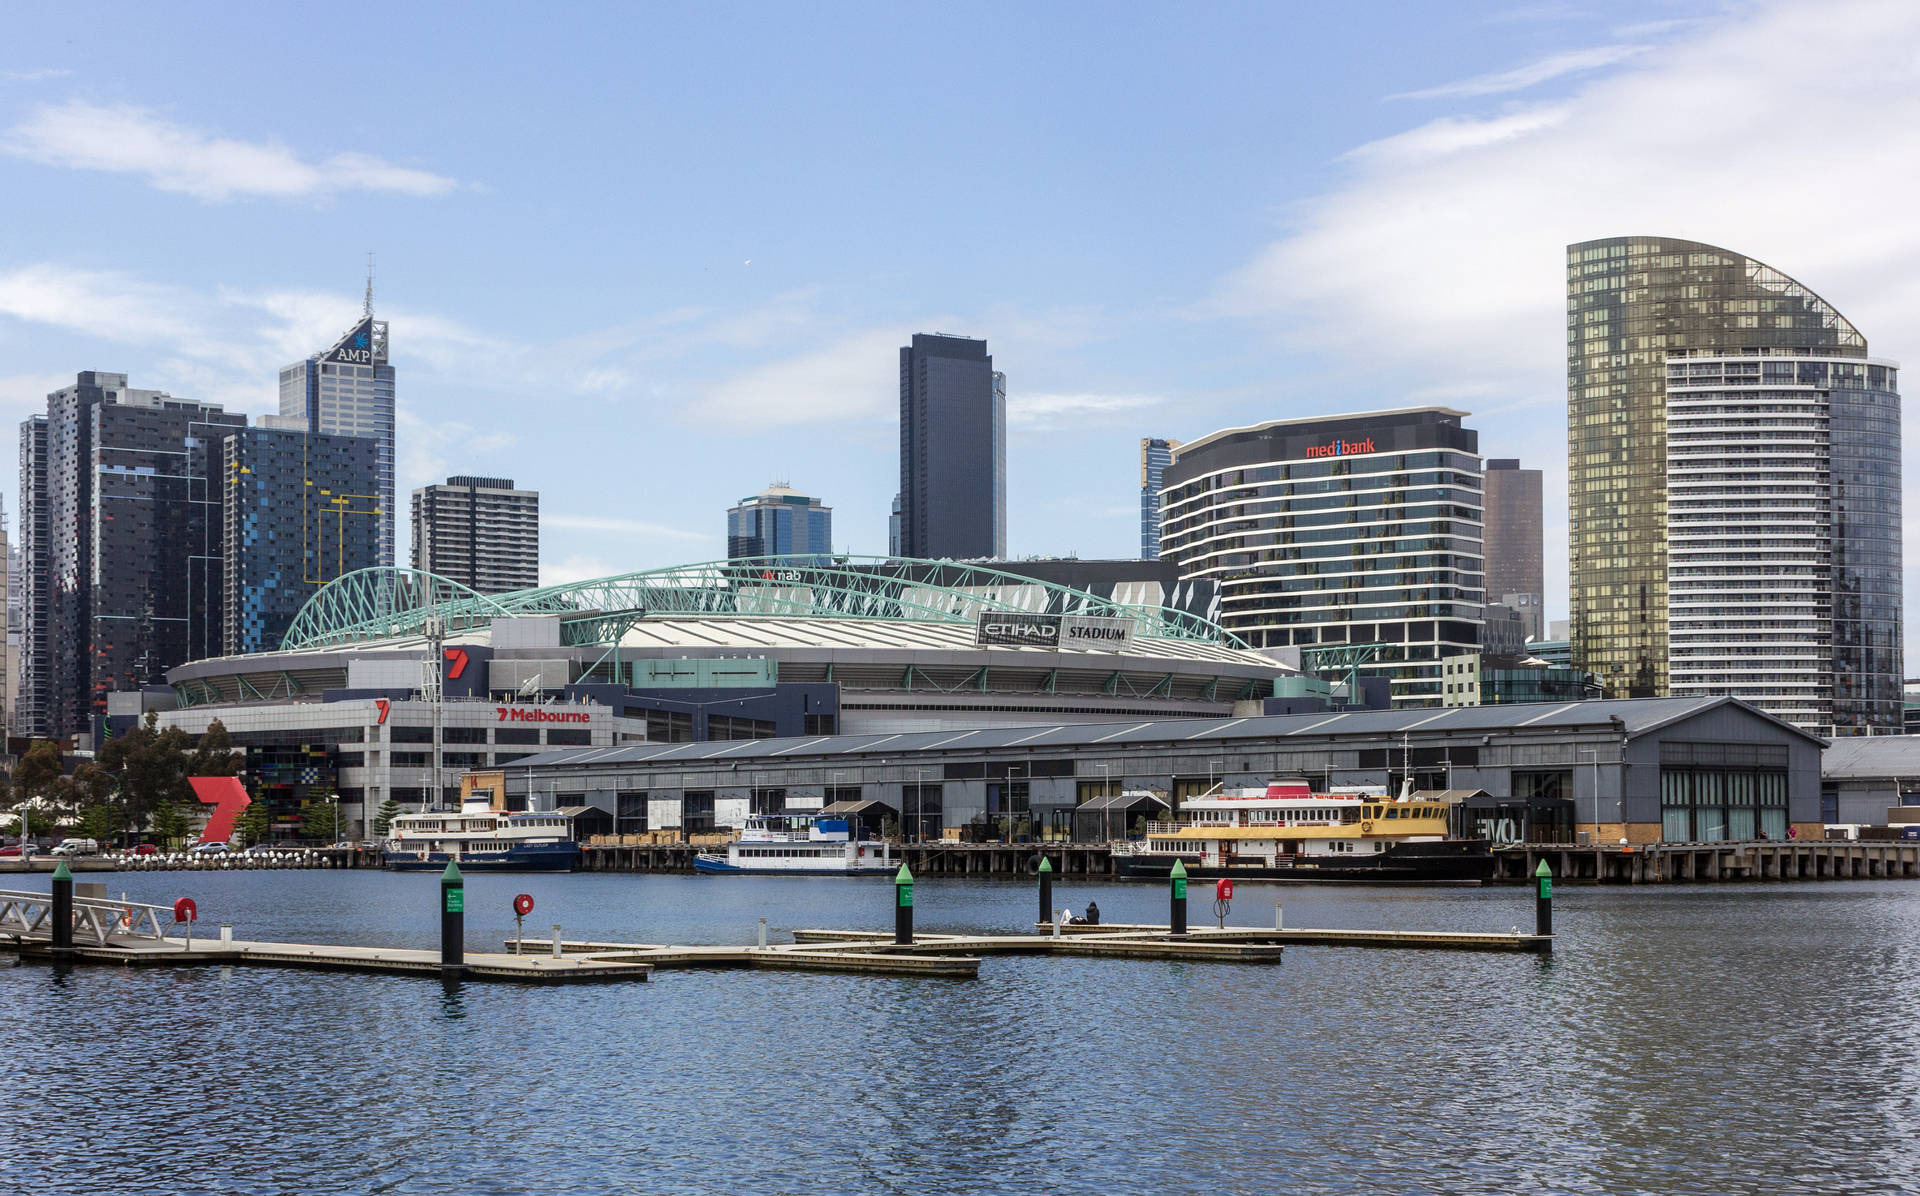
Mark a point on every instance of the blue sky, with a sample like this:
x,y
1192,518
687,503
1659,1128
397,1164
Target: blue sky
x,y
646,259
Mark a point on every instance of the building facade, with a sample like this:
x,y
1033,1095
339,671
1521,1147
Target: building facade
x,y
33,684
116,479
1155,456
480,532
1783,536
1733,486
299,509
1505,679
348,390
780,522
953,450
1515,542
1329,532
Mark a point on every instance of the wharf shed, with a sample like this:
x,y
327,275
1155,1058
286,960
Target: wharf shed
x,y
1639,770
1862,777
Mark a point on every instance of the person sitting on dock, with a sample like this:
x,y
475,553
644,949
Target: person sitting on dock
x,y
1093,913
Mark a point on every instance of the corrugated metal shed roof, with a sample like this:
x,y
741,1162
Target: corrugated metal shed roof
x,y
1636,716
1872,756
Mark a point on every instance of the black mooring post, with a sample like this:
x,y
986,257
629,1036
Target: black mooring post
x,y
453,919
1046,893
1543,901
62,909
1177,898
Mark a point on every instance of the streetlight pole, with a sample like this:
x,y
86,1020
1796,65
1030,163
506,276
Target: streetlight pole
x,y
334,800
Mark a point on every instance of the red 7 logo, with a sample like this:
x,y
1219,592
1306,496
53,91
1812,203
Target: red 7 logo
x,y
228,797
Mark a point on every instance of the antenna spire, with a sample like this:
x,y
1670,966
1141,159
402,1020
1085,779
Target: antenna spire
x,y
366,309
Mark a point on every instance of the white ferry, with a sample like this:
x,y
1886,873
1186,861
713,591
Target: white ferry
x,y
800,842
1288,832
481,839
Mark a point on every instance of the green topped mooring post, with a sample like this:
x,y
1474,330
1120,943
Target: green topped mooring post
x,y
1543,899
903,907
1046,893
453,919
62,909
1177,896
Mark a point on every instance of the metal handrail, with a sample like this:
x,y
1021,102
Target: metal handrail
x,y
99,918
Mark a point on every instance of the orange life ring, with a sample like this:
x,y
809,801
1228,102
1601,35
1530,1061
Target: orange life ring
x,y
126,916
1366,826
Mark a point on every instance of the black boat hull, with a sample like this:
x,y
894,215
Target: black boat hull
x,y
1452,861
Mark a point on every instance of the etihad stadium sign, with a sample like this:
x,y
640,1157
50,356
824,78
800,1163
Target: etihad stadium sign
x,y
1078,632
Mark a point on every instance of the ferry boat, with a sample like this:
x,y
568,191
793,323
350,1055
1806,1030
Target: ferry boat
x,y
481,839
791,842
1288,832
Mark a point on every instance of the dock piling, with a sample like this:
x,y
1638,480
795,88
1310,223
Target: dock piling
x,y
1177,899
763,933
1543,900
556,940
903,907
1279,923
62,909
453,919
1046,890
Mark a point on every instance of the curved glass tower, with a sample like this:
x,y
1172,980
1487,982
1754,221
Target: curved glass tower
x,y
1733,487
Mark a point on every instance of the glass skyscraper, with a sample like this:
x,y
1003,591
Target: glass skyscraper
x,y
1350,530
347,390
953,450
1155,456
780,522
1733,487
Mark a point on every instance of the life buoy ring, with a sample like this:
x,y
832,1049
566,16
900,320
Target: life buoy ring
x,y
126,918
1366,826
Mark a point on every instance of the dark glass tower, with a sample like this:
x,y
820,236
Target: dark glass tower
x,y
300,510
780,522
1515,541
35,695
1155,455
126,511
953,455
1733,486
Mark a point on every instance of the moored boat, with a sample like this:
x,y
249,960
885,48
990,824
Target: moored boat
x,y
481,839
799,842
1287,832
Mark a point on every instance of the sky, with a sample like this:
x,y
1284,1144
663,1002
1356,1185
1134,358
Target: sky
x,y
646,259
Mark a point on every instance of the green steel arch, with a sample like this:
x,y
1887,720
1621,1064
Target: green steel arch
x,y
384,603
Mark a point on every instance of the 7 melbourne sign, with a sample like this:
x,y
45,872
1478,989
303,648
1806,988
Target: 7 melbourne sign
x,y
1018,630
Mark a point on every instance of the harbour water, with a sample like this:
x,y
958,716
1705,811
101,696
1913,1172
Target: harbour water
x,y
1711,1040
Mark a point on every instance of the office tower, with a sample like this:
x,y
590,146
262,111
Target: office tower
x,y
480,532
893,528
35,676
1514,542
114,490
1346,530
1733,487
953,450
299,510
780,522
1155,456
347,390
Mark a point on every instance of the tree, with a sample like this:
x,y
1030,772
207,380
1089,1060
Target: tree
x,y
215,755
151,766
36,769
255,823
321,817
168,823
383,820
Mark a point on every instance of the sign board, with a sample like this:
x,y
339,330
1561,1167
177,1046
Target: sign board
x,y
1079,632
456,901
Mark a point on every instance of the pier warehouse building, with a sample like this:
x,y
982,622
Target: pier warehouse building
x,y
1637,770
727,651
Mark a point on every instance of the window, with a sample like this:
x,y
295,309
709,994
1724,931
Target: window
x,y
569,737
516,735
630,817
822,724
669,726
463,735
723,726
696,811
410,734
412,759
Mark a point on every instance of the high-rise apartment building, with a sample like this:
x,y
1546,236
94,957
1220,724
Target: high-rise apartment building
x,y
347,390
1733,487
780,522
1360,529
115,485
953,450
299,510
1515,542
1155,456
480,532
34,677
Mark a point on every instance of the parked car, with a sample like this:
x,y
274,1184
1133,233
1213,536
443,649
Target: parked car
x,y
215,847
16,851
144,849
77,847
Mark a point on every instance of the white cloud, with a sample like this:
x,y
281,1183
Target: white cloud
x,y
124,139
430,450
1532,74
35,76
1452,134
1043,411
615,526
1447,269
22,395
856,378
104,303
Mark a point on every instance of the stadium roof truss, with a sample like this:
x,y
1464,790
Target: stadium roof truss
x,y
389,603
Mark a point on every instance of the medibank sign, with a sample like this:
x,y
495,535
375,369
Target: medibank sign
x,y
523,714
1340,448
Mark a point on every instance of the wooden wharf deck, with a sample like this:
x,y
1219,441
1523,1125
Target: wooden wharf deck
x,y
1245,936
825,946
174,952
